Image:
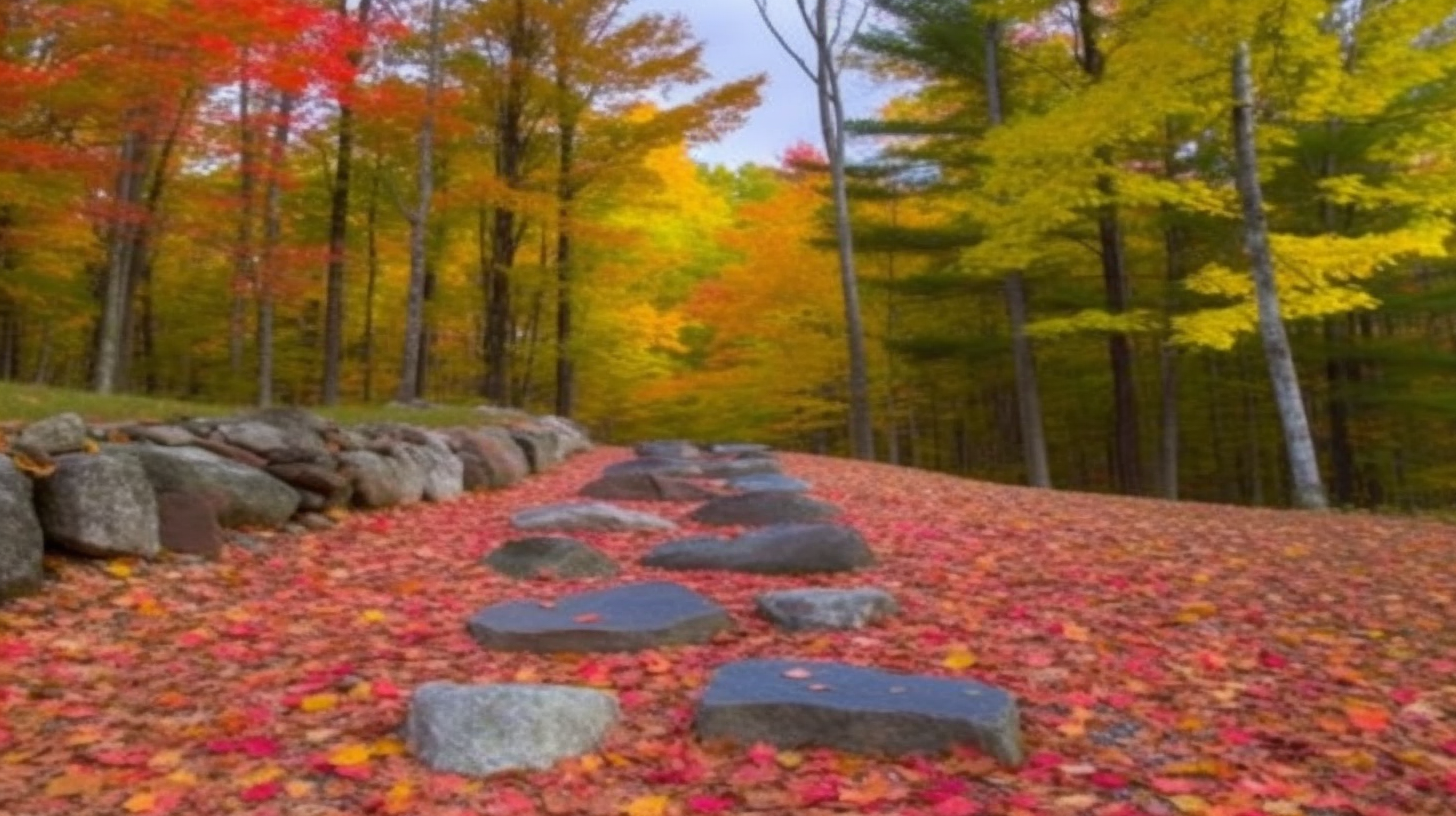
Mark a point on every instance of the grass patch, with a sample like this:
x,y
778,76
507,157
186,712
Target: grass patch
x,y
27,403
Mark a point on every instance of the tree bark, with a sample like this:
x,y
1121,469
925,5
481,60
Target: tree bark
x,y
118,267
1303,463
339,224
243,261
372,259
409,381
565,193
272,237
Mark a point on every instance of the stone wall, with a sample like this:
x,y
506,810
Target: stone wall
x,y
138,490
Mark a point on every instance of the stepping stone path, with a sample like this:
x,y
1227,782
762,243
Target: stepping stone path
x,y
621,619
733,468
655,466
790,704
769,483
588,516
481,730
550,556
758,509
645,487
783,549
798,609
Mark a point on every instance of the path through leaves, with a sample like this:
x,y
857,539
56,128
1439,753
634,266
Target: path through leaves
x,y
1172,659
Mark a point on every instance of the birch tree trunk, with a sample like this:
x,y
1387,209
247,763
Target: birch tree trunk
x,y
1308,491
409,381
272,237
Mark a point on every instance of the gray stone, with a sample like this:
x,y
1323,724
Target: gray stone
x,y
588,516
654,465
792,704
757,509
825,608
501,461
572,438
243,496
738,449
541,446
100,505
187,524
769,483
621,619
551,556
63,433
482,730
246,458
383,481
733,468
316,522
168,435
22,545
441,469
645,487
783,549
667,449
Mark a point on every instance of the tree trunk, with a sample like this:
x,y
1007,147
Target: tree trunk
x,y
339,224
372,259
831,120
118,267
243,261
510,149
565,365
272,237
409,382
1127,449
1028,393
1303,464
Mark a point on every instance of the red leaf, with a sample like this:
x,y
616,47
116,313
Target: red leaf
x,y
709,804
956,806
1272,660
263,792
1108,780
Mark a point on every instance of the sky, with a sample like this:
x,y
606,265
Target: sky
x,y
736,45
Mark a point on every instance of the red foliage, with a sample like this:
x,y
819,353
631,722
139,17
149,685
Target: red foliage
x,y
1170,659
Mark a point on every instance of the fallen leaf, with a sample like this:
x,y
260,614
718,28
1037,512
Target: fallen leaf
x,y
648,806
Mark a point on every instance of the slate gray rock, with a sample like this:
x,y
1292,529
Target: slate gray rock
x,y
769,483
667,449
757,509
243,496
550,556
739,449
482,730
383,481
22,545
734,468
826,608
168,435
792,704
645,487
626,618
782,549
187,524
63,433
571,437
99,505
587,516
498,461
654,465
441,469
541,445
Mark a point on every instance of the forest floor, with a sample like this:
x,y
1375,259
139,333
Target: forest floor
x,y
1170,659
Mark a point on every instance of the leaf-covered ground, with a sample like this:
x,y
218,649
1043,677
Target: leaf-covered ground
x,y
1171,659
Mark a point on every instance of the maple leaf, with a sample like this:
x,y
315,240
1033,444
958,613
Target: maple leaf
x,y
75,784
648,806
1367,717
262,792
346,756
140,803
318,702
959,659
709,804
956,806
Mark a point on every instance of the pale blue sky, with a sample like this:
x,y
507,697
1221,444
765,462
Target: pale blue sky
x,y
736,44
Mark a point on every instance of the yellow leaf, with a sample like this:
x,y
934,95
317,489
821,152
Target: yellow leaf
x,y
362,691
318,702
262,776
82,784
140,803
162,760
118,569
397,800
184,778
959,659
371,616
648,806
1190,804
789,759
298,789
349,755
389,746
591,763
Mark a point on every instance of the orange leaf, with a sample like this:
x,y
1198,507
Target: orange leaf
x,y
1367,717
648,806
141,803
318,702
